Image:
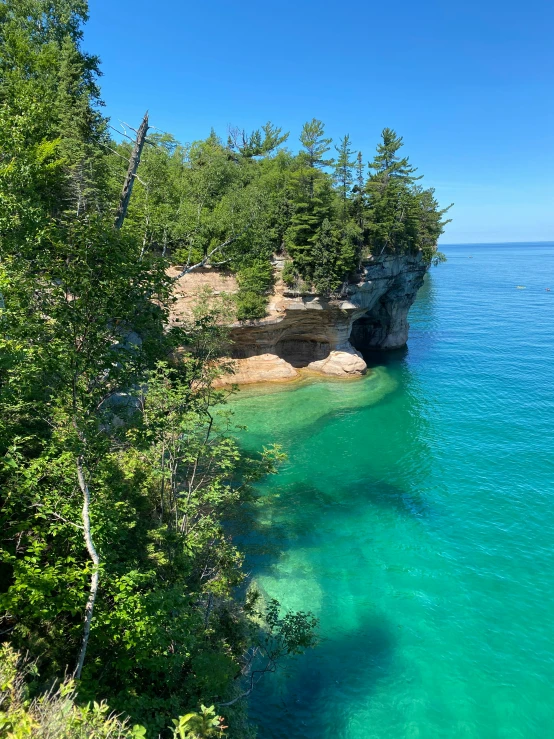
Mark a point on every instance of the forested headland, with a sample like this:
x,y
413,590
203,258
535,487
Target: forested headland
x,y
120,474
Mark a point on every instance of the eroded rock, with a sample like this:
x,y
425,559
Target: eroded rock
x,y
261,368
317,333
346,362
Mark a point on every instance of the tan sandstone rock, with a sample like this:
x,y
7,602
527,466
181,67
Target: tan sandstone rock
x,y
340,363
261,368
306,331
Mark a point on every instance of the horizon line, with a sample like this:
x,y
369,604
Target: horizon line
x,y
488,243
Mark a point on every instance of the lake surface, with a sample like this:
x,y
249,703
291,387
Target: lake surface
x,y
415,518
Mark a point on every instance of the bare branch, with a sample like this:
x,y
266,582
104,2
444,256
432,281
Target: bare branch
x,y
142,182
114,151
189,268
57,515
121,133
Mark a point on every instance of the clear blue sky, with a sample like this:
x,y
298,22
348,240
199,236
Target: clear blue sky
x,y
469,85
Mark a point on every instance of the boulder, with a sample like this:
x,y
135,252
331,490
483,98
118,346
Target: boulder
x,y
261,368
345,362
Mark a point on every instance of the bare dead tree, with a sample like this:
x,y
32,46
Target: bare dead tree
x,y
134,162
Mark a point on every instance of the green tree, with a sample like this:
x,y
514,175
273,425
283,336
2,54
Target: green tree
x,y
431,225
313,204
343,176
330,263
401,216
258,143
315,144
388,164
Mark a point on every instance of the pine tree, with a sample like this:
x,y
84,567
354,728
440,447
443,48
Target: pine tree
x,y
431,224
387,164
359,205
81,128
313,203
333,253
315,144
393,209
343,173
254,144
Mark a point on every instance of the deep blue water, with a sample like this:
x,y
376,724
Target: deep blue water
x,y
415,518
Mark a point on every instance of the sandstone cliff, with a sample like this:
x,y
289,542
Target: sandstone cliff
x,y
310,333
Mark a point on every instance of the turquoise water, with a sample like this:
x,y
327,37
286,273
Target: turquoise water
x,y
415,518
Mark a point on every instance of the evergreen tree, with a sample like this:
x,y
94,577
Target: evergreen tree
x,y
316,145
343,177
333,256
359,171
359,205
402,217
255,144
313,203
387,164
431,224
81,128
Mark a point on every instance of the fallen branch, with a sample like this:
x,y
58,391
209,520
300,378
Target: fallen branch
x,y
202,263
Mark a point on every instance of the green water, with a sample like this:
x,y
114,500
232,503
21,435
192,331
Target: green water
x,y
415,518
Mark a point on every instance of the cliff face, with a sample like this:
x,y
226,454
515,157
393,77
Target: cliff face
x,y
322,335
388,289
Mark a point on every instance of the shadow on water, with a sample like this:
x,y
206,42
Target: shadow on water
x,y
328,683
342,502
265,539
392,358
408,503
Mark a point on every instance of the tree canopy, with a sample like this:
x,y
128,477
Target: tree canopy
x,y
236,205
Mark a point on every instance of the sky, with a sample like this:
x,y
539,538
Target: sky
x,y
469,85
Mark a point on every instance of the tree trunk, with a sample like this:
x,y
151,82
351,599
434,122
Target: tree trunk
x,y
96,564
134,162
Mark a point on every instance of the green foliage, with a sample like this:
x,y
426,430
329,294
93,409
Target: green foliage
x,y
289,274
334,257
401,217
236,205
315,144
290,634
258,143
343,173
313,204
387,164
199,725
55,713
254,281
